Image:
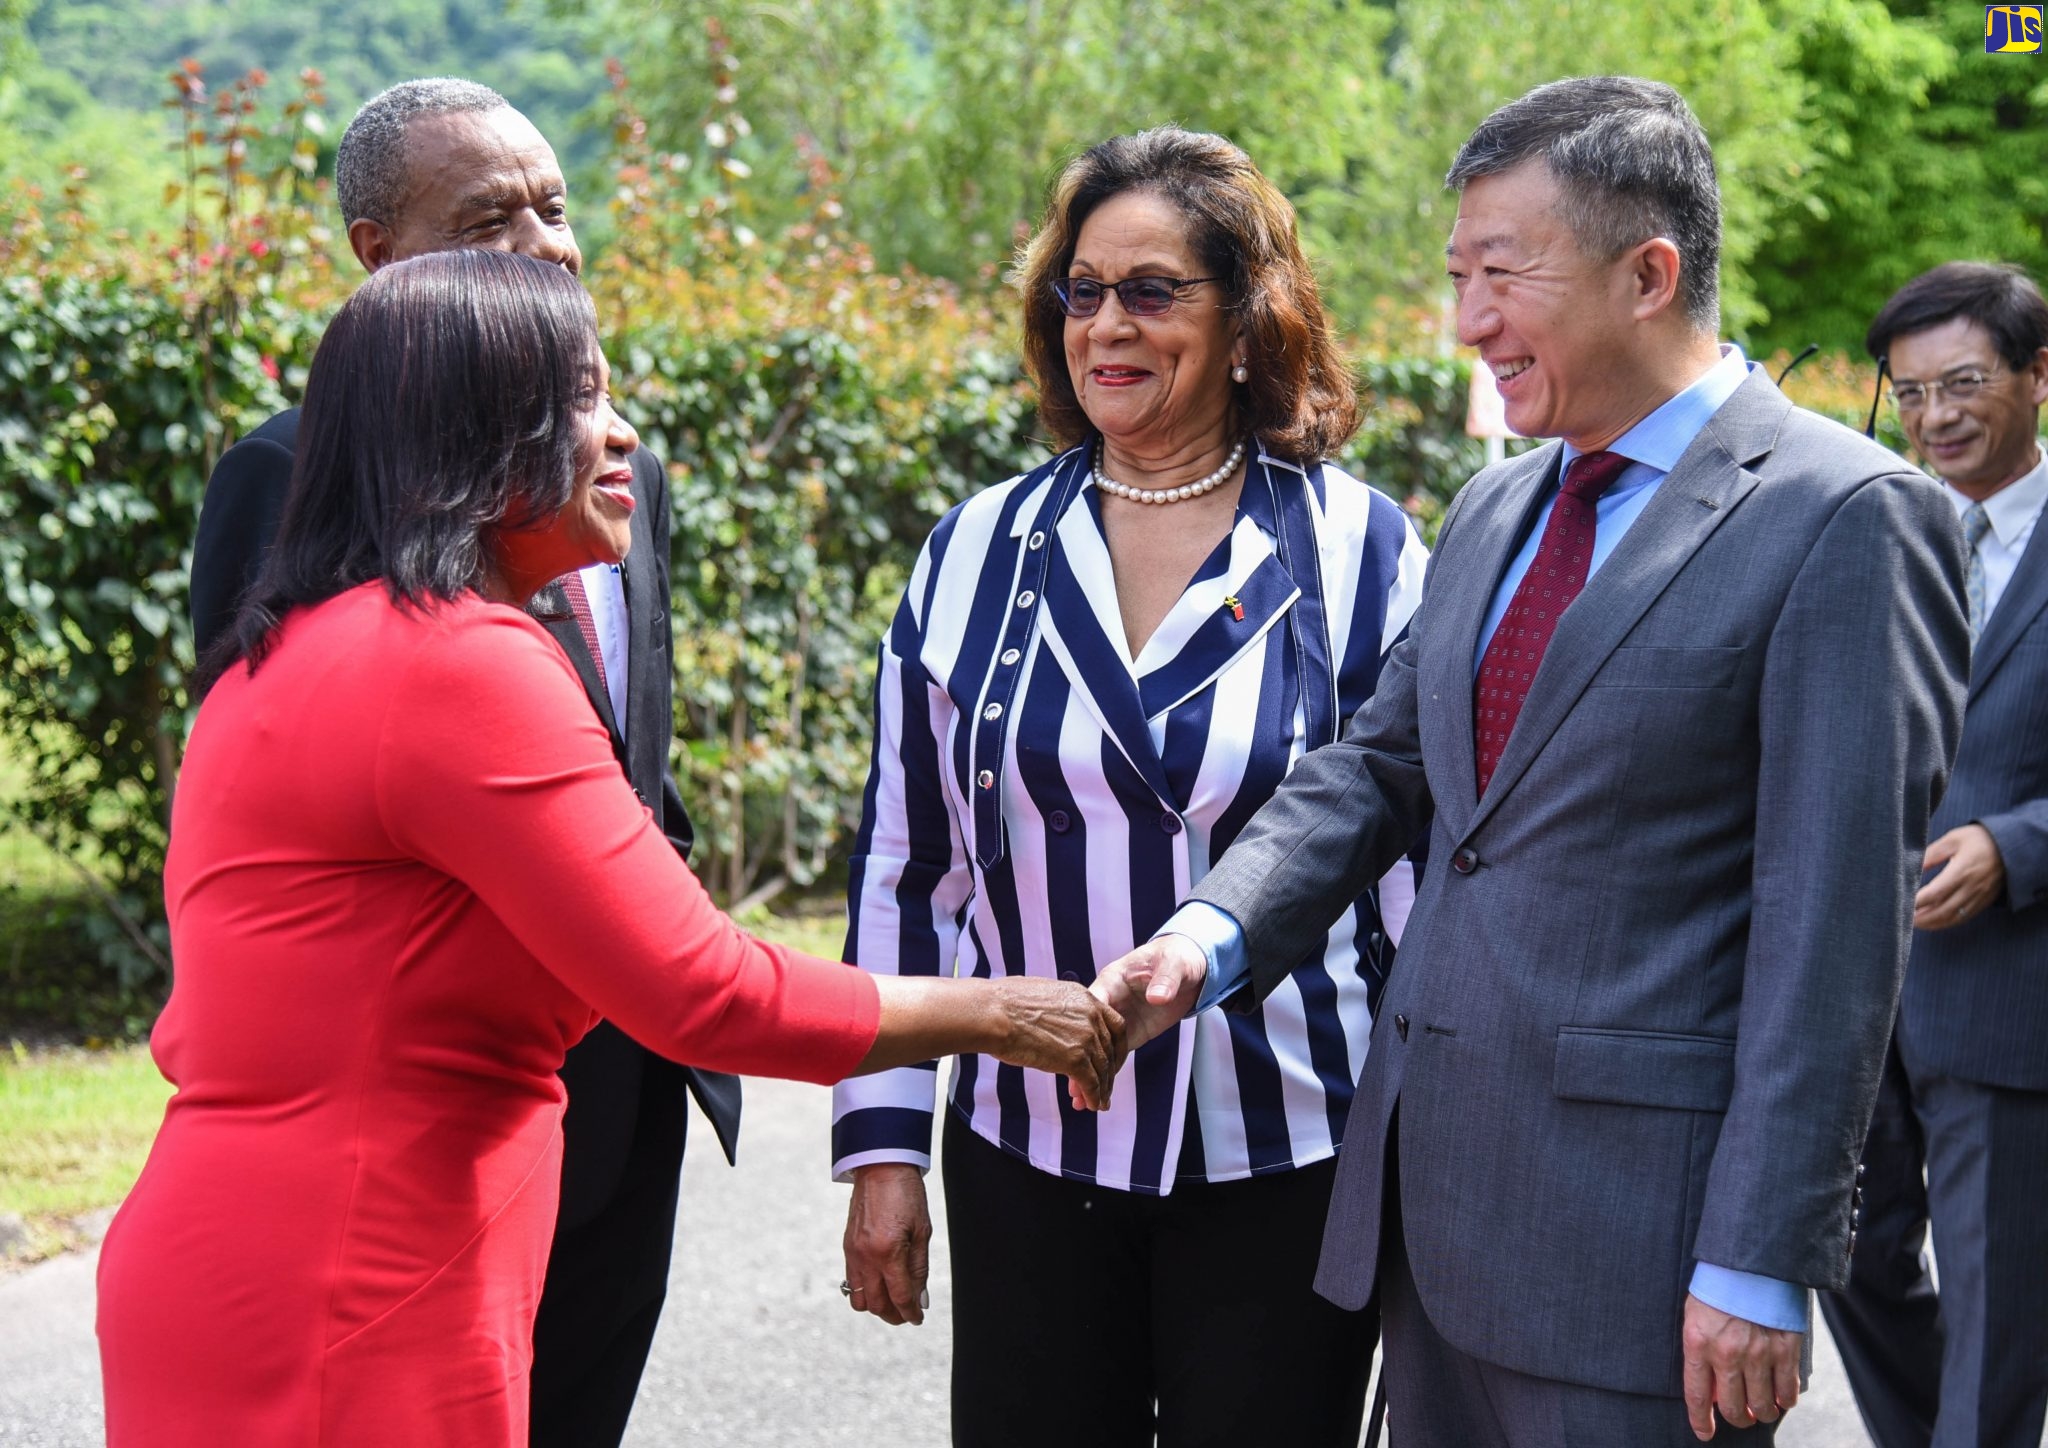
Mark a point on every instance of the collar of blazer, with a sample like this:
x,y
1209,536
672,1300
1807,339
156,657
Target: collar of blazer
x,y
1695,497
2026,594
1237,598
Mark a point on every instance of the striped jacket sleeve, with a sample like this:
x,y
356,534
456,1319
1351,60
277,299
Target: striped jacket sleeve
x,y
909,881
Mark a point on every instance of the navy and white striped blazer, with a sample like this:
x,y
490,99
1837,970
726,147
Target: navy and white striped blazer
x,y
1038,804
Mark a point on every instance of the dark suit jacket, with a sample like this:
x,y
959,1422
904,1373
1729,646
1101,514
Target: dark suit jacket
x,y
1975,1005
1643,997
607,1076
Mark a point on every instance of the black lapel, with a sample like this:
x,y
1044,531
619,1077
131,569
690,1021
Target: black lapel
x,y
551,608
647,642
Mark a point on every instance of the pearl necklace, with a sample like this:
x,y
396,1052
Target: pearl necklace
x,y
1167,495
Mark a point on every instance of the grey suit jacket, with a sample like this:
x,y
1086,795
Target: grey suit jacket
x,y
1976,996
1641,1003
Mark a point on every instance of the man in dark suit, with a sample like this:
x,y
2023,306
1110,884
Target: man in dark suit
x,y
1960,1136
1681,694
430,165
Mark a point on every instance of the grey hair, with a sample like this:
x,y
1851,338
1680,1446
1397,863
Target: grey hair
x,y
1631,163
369,165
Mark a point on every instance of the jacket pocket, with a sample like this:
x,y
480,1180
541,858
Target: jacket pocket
x,y
1644,666
1644,1068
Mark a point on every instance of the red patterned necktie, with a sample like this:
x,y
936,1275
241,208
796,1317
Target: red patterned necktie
x,y
1555,576
579,605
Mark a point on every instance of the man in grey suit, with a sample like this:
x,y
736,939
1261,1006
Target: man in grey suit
x,y
1960,1136
1678,702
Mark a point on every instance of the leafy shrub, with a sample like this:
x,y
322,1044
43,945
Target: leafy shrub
x,y
817,414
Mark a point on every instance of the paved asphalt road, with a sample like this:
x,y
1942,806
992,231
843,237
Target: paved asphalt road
x,y
757,1350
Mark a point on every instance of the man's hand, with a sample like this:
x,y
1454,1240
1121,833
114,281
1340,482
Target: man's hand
x,y
1154,986
888,1243
1750,1373
1972,876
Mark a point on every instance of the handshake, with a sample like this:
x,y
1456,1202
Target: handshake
x,y
1085,1035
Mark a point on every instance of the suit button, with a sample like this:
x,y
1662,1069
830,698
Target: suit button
x,y
1852,1241
1861,1171
1401,1027
1170,822
1465,861
1059,821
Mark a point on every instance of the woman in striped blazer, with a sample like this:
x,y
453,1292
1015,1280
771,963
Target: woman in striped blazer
x,y
1099,670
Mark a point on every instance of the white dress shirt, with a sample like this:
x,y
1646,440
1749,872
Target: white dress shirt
x,y
2013,510
606,587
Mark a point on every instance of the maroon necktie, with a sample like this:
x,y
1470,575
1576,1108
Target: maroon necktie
x,y
1554,579
579,604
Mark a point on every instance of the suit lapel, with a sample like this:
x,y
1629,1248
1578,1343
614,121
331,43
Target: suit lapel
x,y
2026,593
1692,501
646,650
1458,604
551,607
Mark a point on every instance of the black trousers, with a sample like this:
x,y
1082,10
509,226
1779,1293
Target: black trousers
x,y
1092,1318
1969,1367
608,1264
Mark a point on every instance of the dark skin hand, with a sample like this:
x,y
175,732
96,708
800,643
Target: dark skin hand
x,y
1048,1025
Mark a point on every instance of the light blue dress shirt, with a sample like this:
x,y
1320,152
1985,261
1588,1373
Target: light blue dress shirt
x,y
1653,447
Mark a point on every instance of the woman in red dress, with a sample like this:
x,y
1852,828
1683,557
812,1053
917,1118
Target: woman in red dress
x,y
406,873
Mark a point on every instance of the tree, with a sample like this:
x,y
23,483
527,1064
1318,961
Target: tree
x,y
1930,151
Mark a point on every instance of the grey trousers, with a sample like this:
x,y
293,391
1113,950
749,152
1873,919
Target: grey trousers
x,y
1967,1369
1440,1397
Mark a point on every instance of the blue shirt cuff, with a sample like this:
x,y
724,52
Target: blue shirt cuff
x,y
1765,1301
1222,941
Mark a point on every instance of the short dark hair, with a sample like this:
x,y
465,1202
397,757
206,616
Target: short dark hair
x,y
1300,398
1631,162
370,175
439,413
2003,300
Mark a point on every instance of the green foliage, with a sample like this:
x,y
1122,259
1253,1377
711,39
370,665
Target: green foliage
x,y
819,403
1931,152
121,50
113,402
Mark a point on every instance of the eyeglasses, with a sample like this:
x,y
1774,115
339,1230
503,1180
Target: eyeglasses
x,y
1912,396
1138,296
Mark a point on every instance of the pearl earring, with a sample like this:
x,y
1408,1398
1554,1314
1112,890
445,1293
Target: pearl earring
x,y
1240,373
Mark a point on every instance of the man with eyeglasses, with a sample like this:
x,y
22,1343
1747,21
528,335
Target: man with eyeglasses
x,y
1960,1136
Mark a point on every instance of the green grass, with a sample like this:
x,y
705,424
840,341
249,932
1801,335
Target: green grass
x,y
816,925
75,1126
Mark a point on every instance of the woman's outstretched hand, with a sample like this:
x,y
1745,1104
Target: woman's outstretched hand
x,y
1058,1026
1051,1025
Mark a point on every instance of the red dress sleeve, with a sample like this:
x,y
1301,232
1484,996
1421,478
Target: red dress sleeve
x,y
493,768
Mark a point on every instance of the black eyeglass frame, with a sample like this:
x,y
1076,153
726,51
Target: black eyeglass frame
x,y
1063,293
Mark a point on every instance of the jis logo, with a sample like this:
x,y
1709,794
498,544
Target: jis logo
x,y
2012,29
